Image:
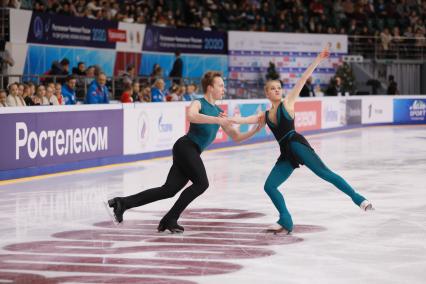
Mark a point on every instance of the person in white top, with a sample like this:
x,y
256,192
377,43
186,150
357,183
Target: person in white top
x,y
3,98
50,95
13,99
40,96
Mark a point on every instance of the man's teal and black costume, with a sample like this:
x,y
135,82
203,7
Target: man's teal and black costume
x,y
295,151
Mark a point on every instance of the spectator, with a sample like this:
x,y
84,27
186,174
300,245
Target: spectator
x,y
50,95
136,86
392,86
58,94
308,89
191,92
127,95
57,72
335,87
40,97
157,73
80,70
98,91
157,91
68,90
3,98
172,96
6,60
27,95
176,72
145,95
13,99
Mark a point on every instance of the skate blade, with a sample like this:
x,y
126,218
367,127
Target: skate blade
x,y
111,215
279,231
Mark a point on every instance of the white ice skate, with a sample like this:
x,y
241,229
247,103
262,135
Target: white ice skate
x,y
276,228
366,205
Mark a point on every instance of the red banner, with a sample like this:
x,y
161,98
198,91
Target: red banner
x,y
308,115
115,35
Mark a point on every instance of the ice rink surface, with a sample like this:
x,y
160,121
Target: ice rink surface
x,y
56,229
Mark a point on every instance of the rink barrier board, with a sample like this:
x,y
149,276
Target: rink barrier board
x,y
165,122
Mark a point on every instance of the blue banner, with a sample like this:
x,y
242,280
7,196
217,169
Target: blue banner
x,y
184,40
72,31
409,110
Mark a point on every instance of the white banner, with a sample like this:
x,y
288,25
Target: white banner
x,y
377,110
290,42
333,112
134,37
153,127
250,54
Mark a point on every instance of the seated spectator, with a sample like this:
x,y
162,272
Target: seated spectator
x,y
80,70
172,96
335,87
50,95
58,94
190,94
3,98
68,90
40,97
127,95
157,91
97,92
136,91
13,99
27,95
145,95
308,89
60,69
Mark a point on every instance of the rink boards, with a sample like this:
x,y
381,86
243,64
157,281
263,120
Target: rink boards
x,y
43,140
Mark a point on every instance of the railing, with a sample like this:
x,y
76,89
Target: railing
x,y
235,89
400,48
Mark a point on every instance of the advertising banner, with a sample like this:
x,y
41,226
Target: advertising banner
x,y
39,139
307,115
377,110
333,113
409,110
56,29
250,54
134,34
160,39
353,112
153,127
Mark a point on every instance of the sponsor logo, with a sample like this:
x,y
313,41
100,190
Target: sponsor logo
x,y
418,110
38,28
143,128
149,38
374,111
115,35
331,115
163,126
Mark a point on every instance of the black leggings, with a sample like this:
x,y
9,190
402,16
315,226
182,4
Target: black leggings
x,y
187,166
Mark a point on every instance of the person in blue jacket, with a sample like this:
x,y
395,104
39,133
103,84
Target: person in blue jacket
x,y
205,118
157,91
68,90
97,93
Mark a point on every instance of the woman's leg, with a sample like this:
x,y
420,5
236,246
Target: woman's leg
x,y
314,163
280,172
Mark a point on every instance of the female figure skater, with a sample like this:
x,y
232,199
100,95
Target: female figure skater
x,y
205,118
295,149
